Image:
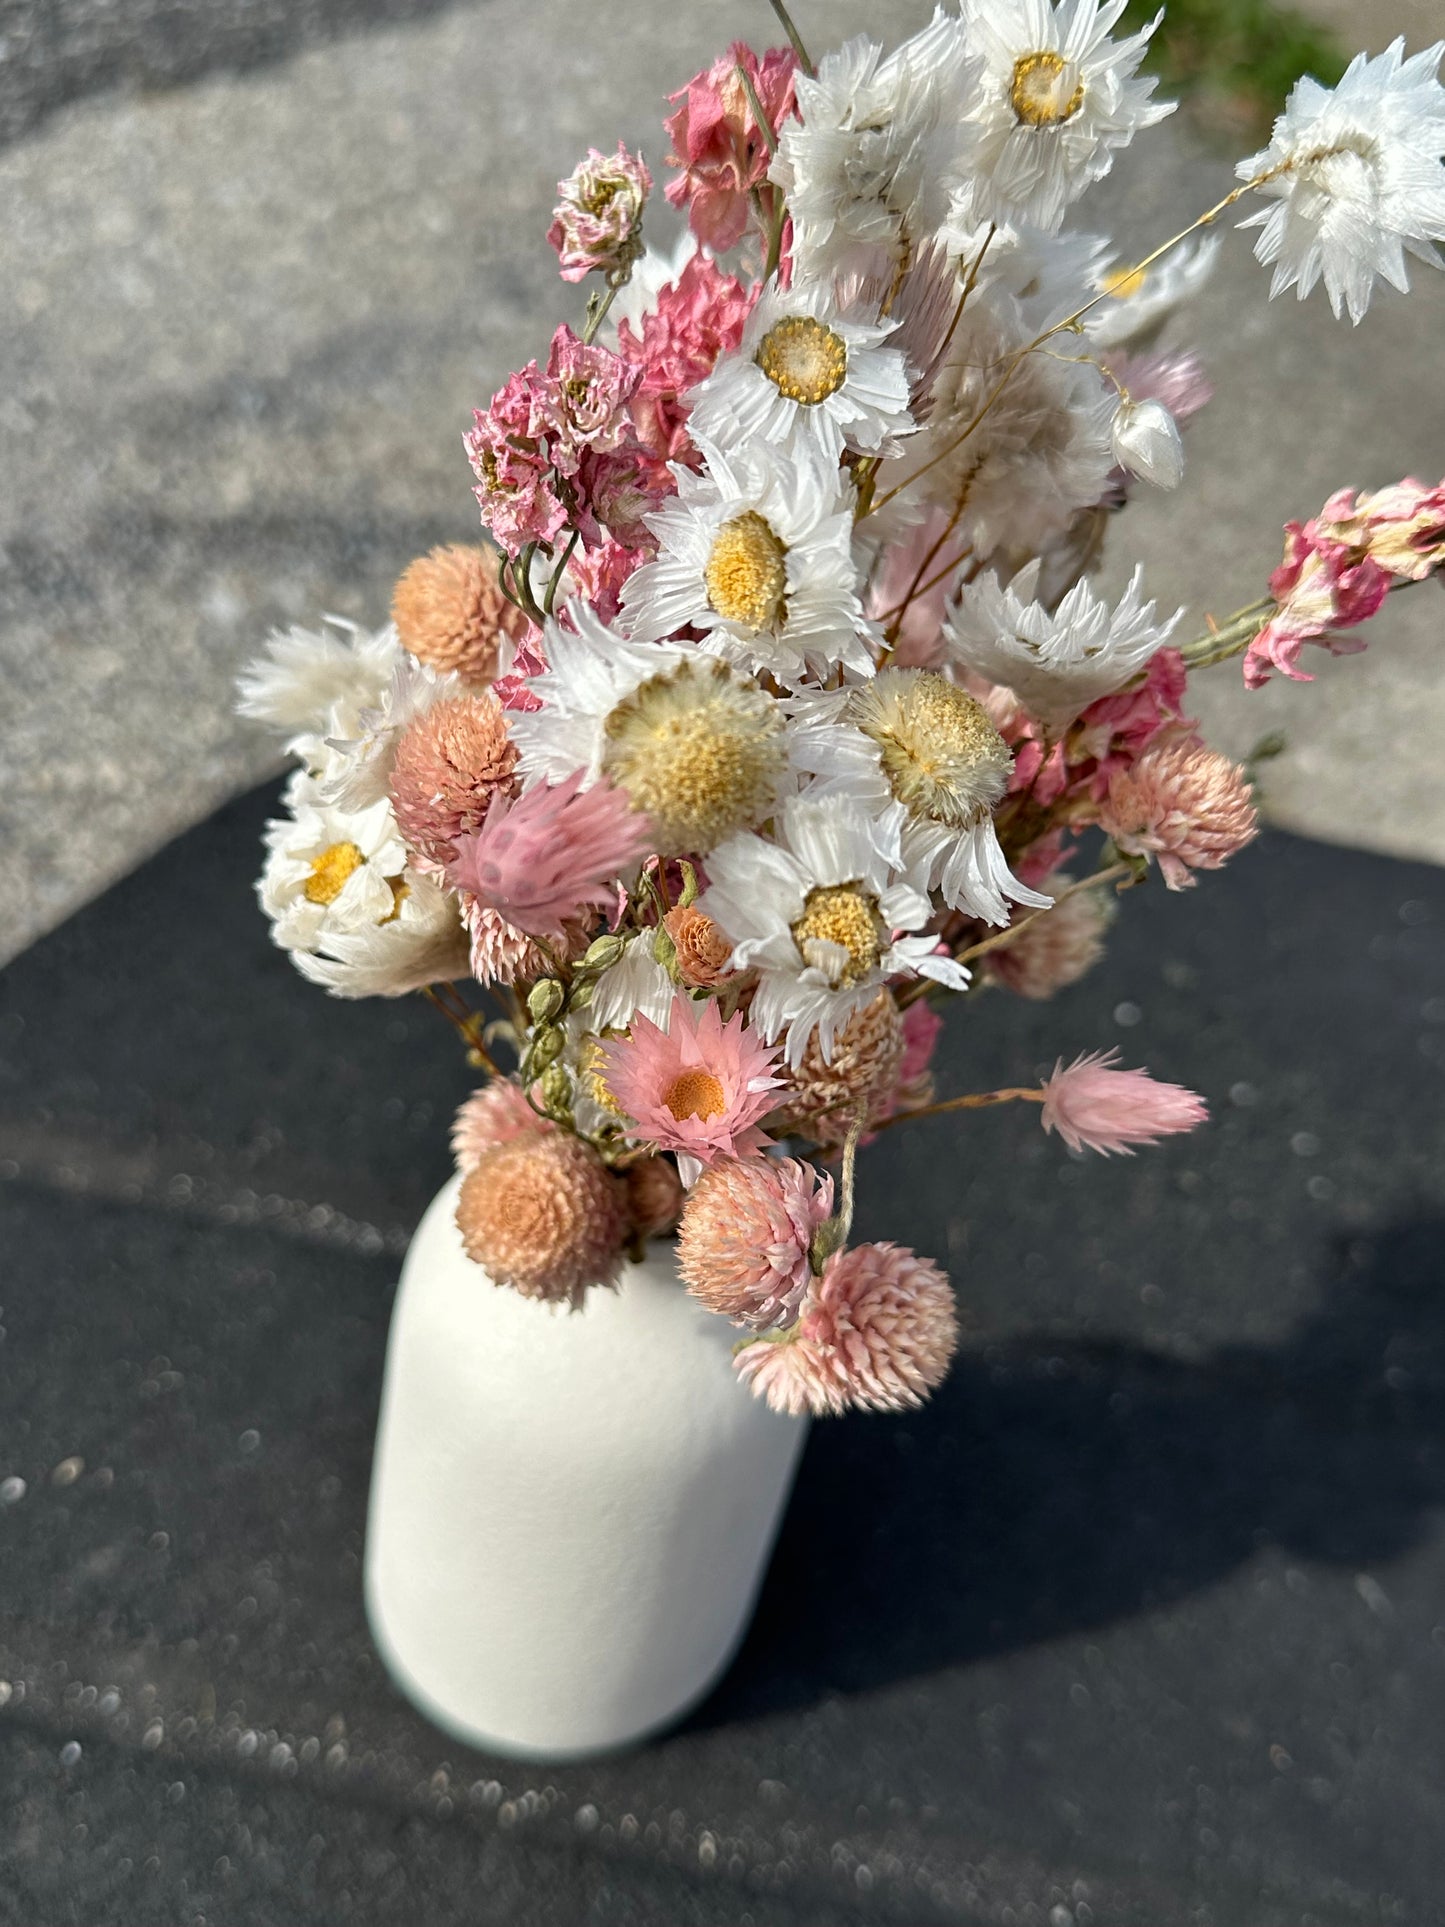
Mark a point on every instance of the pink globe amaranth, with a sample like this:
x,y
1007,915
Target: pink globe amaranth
x,y
747,1232
543,1215
878,1331
489,1117
452,763
1184,804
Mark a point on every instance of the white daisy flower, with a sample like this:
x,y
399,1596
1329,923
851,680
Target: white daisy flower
x,y
804,377
1055,664
866,170
1055,98
343,900
1358,181
914,738
697,746
351,757
1142,299
758,552
822,911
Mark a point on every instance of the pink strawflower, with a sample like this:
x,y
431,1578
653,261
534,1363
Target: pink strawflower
x,y
698,1087
555,852
1094,1107
597,222
451,763
744,1247
699,317
1183,803
508,447
494,1115
878,1330
717,142
1323,586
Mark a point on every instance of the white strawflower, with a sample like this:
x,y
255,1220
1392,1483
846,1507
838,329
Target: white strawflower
x,y
1142,299
805,377
914,738
343,900
758,553
822,910
1357,179
305,673
1054,100
1147,442
696,745
867,168
352,754
1055,664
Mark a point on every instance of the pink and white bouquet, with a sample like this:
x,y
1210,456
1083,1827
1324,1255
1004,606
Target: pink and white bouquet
x,y
780,702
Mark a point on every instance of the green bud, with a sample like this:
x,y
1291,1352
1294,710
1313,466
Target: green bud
x,y
548,1043
545,999
689,886
556,1090
603,953
664,951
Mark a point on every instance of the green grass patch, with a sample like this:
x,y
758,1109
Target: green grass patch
x,y
1236,60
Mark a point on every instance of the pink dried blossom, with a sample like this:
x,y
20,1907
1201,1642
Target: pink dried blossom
x,y
494,1115
1095,1107
597,573
747,1233
717,142
1183,803
1054,949
1172,376
615,490
509,453
539,862
597,222
545,1217
878,1330
698,317
698,1087
704,954
1404,527
586,402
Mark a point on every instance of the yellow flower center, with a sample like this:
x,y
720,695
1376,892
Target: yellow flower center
x,y
841,914
803,359
940,752
330,870
695,1093
1126,282
746,573
1046,91
699,752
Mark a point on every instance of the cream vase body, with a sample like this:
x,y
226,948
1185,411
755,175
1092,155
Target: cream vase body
x,y
571,1513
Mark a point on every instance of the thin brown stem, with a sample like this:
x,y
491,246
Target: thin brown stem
x,y
975,1101
465,1023
1001,938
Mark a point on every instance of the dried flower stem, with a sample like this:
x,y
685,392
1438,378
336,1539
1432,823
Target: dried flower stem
x,y
804,59
466,1023
975,1101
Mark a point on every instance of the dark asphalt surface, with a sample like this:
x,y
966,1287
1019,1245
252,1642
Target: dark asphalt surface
x,y
1142,1621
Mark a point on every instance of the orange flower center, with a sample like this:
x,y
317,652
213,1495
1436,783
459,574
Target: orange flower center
x,y
695,1093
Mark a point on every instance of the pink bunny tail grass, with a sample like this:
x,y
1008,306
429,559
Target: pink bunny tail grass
x,y
1097,1108
541,861
878,1332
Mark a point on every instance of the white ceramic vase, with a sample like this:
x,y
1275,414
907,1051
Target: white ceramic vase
x,y
570,1513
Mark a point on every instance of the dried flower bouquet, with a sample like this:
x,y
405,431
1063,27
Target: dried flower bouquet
x,y
780,699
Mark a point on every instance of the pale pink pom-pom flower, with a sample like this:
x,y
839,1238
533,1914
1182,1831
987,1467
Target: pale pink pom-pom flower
x,y
491,1116
452,763
1184,803
878,1331
540,861
544,1216
1094,1107
746,1236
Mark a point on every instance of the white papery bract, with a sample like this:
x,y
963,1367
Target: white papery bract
x,y
306,673
1055,664
1147,442
758,553
1055,98
823,911
805,378
867,169
1358,181
591,669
